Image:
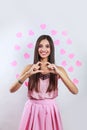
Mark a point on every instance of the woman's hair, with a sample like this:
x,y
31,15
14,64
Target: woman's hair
x,y
33,80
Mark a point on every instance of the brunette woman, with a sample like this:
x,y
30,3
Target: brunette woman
x,y
40,111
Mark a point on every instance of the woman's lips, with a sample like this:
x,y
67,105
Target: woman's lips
x,y
43,53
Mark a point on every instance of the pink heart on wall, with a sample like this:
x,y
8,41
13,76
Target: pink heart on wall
x,y
43,26
69,41
30,45
64,63
71,55
26,84
19,34
70,69
31,33
17,47
64,33
57,42
78,63
75,81
62,51
53,32
14,63
26,56
17,75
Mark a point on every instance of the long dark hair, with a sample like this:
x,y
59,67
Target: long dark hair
x,y
34,79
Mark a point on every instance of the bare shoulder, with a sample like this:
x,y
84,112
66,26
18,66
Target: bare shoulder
x,y
60,68
26,68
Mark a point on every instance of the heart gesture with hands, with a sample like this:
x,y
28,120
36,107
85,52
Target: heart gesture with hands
x,y
52,68
44,50
35,68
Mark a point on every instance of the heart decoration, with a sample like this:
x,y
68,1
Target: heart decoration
x,y
53,32
19,34
64,33
75,81
26,56
78,63
57,42
62,51
17,47
14,63
69,41
43,26
30,45
31,33
70,69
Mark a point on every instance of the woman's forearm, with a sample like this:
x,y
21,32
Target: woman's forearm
x,y
18,83
67,81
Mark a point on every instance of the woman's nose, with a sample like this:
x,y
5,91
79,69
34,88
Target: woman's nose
x,y
44,48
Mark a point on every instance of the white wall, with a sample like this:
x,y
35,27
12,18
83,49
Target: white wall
x,y
68,19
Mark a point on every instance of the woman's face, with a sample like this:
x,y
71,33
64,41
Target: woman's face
x,y
44,49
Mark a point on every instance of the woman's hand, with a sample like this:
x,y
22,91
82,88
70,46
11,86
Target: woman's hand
x,y
35,68
64,77
52,68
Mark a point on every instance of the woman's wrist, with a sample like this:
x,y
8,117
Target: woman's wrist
x,y
20,82
21,79
27,75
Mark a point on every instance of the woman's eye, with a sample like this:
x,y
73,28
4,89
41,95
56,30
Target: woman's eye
x,y
47,46
40,46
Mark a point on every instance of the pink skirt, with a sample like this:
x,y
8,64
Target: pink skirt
x,y
41,115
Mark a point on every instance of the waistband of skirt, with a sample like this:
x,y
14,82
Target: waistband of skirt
x,y
43,101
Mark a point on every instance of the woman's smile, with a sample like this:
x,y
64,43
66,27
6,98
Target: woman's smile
x,y
44,49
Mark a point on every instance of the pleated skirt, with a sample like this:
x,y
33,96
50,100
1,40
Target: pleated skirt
x,y
41,115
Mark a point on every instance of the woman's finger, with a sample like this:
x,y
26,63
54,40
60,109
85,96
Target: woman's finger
x,y
47,63
38,71
38,63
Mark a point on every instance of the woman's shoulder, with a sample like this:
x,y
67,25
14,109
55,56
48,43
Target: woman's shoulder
x,y
27,67
62,69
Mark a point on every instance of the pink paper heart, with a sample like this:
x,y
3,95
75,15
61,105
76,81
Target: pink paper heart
x,y
14,63
43,26
64,63
71,55
17,75
64,33
26,56
75,81
53,32
69,41
62,51
30,45
70,69
78,63
17,47
57,42
31,33
26,84
19,34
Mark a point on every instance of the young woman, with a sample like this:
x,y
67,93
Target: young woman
x,y
40,111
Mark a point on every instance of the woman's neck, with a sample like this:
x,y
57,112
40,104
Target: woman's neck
x,y
44,60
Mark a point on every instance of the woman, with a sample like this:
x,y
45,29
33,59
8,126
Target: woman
x,y
40,111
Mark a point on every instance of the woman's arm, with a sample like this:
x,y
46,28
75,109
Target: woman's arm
x,y
66,80
23,76
26,73
61,73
